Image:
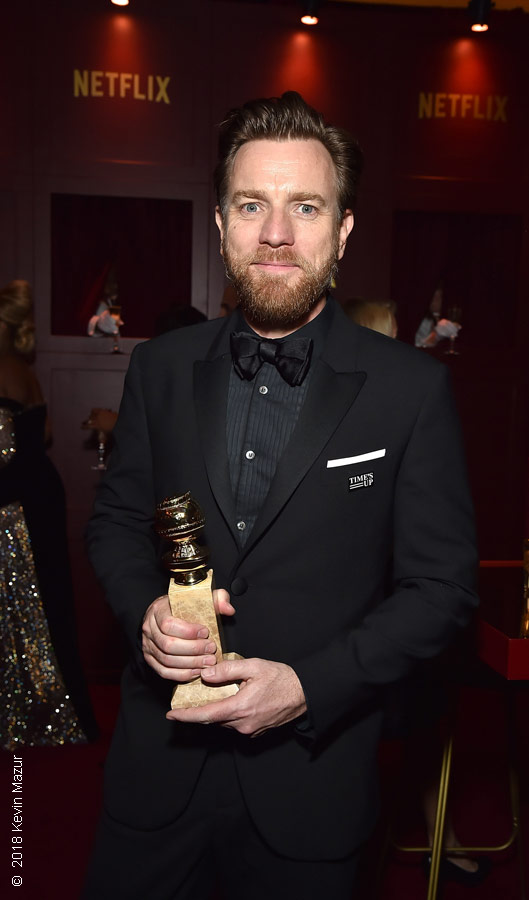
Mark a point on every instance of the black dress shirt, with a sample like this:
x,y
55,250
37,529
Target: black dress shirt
x,y
261,417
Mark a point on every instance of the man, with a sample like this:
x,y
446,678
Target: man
x,y
329,469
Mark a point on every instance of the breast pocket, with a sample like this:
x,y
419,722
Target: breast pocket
x,y
354,472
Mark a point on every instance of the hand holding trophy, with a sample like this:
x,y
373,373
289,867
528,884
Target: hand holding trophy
x,y
180,519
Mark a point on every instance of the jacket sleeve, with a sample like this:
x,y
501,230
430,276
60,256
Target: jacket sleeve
x,y
122,544
434,565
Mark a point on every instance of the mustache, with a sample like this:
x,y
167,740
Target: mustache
x,y
281,255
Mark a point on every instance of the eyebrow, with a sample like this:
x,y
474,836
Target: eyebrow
x,y
297,197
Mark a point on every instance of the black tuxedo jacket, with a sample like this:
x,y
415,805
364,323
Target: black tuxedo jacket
x,y
352,573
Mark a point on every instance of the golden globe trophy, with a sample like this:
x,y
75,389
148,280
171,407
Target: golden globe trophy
x,y
180,520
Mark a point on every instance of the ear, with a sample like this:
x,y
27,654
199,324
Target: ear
x,y
220,226
346,226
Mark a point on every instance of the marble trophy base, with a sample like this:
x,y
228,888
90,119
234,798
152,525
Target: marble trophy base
x,y
195,604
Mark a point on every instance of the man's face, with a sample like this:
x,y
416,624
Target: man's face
x,y
281,239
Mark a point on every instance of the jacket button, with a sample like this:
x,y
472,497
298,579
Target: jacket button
x,y
238,586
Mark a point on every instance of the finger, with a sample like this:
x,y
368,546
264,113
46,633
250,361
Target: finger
x,y
219,712
229,670
221,600
170,674
157,609
169,651
160,612
181,628
158,618
196,664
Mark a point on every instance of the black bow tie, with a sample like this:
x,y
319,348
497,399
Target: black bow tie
x,y
290,356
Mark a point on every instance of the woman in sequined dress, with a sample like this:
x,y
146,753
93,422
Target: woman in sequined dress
x,y
44,695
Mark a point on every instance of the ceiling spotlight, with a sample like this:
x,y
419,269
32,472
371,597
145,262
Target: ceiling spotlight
x,y
310,11
479,11
120,2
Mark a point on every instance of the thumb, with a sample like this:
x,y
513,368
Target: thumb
x,y
221,600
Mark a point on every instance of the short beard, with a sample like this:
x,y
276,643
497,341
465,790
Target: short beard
x,y
266,299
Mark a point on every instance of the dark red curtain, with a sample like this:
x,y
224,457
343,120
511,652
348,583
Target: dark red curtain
x,y
147,240
476,258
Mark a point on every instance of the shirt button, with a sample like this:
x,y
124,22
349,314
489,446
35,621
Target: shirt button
x,y
263,389
241,526
250,454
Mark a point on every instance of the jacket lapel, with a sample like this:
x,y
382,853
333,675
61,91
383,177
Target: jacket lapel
x,y
211,394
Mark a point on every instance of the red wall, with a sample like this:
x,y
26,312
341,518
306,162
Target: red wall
x,y
442,116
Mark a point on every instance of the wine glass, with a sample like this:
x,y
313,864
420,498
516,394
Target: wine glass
x,y
101,423
455,314
101,466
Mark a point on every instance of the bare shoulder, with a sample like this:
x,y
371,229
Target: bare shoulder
x,y
18,381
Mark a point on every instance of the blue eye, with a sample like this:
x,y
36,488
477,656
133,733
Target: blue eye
x,y
306,209
250,207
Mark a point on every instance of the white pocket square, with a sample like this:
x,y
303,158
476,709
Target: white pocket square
x,y
351,460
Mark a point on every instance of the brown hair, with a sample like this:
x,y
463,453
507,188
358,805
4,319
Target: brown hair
x,y
378,315
286,118
16,310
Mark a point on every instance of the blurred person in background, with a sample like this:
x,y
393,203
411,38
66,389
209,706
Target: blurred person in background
x,y
44,696
432,328
379,315
229,300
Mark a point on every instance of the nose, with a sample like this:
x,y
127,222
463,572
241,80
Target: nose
x,y
276,229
